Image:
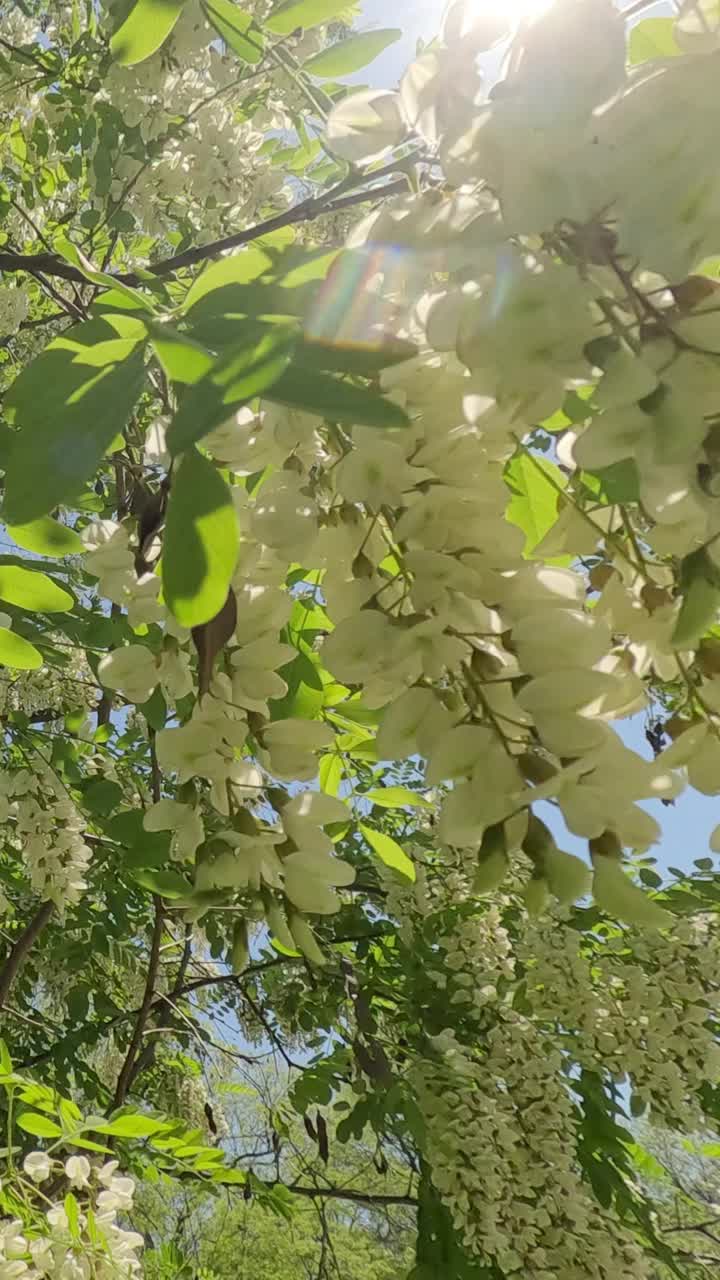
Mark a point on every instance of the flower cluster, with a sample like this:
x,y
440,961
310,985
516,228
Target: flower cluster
x,y
502,1139
77,1238
645,1013
42,824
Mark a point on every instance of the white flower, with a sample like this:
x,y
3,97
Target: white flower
x,y
365,125
37,1166
77,1170
183,820
132,670
310,879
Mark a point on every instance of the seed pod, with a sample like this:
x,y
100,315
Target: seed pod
x,y
277,923
615,893
240,952
493,864
569,877
700,588
538,840
304,940
535,895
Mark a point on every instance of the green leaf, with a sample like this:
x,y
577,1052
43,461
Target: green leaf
x,y
18,653
350,55
232,24
534,508
167,884
39,1126
46,537
653,38
5,1059
331,398
389,852
146,28
121,295
397,798
331,773
201,542
72,1213
240,268
31,590
287,17
618,483
102,796
305,696
68,404
248,368
182,359
132,1127
365,361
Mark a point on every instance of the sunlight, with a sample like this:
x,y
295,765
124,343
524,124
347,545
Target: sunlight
x,y
515,10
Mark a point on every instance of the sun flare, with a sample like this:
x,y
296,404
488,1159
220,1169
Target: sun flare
x,y
514,10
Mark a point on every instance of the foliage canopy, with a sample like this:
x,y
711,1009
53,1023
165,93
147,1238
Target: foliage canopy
x,y
361,494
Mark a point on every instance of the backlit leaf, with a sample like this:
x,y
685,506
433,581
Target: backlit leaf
x,y
145,29
31,590
334,399
287,17
201,542
240,373
350,55
68,405
389,852
46,537
233,26
17,652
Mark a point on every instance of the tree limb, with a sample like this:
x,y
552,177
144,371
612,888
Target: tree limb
x,y
21,947
49,264
346,1193
126,1072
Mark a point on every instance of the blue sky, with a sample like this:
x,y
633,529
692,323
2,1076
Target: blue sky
x,y
687,825
421,19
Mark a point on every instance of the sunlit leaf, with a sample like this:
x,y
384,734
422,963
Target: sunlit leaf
x,y
389,852
145,29
201,541
350,55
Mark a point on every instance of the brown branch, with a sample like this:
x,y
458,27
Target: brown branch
x,y
345,1193
126,1072
21,947
315,207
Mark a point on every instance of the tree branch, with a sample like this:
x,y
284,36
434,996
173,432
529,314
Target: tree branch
x,y
315,207
126,1072
21,947
345,1193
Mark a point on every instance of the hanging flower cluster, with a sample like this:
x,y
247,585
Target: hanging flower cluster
x,y
502,1137
43,827
76,1238
442,500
